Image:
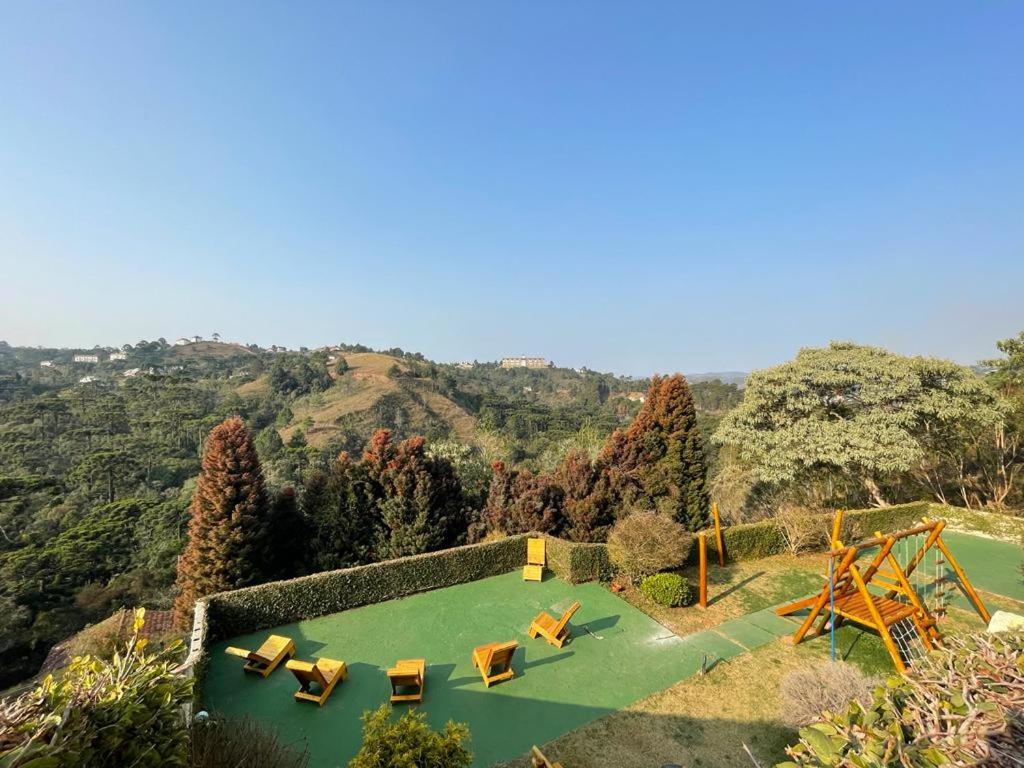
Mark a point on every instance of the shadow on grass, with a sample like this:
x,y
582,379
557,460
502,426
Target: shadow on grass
x,y
736,586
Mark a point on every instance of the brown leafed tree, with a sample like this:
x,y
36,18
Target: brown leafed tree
x,y
229,536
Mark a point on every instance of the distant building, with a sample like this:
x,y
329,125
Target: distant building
x,y
132,373
636,397
188,340
87,380
524,362
86,358
464,365
118,356
46,363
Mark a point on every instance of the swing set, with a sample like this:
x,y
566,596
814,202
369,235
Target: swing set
x,y
898,593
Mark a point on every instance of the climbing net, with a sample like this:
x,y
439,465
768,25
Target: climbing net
x,y
926,570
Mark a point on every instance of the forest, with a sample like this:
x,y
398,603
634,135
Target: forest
x,y
383,454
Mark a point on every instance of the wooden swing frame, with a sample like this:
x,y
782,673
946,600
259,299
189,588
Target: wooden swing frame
x,y
853,601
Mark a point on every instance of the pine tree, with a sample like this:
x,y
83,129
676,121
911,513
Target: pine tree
x,y
658,461
229,538
588,500
422,505
341,508
520,502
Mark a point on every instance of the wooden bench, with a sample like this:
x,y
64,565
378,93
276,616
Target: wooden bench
x,y
494,661
407,679
267,657
555,631
323,675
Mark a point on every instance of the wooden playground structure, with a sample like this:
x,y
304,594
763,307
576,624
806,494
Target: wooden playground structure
x,y
897,592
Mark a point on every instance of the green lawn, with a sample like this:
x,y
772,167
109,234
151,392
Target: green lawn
x,y
617,655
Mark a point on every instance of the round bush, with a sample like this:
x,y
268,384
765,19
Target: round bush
x,y
645,543
669,589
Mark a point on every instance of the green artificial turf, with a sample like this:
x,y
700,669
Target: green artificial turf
x,y
617,655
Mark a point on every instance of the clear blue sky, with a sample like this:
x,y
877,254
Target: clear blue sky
x,y
633,187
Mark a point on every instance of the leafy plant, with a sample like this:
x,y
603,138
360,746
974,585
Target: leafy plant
x,y
124,712
828,686
961,707
410,743
218,741
647,542
668,589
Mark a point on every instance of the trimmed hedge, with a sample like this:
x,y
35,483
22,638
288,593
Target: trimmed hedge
x,y
576,562
669,589
751,541
283,602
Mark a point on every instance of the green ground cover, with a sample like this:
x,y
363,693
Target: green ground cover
x,y
617,655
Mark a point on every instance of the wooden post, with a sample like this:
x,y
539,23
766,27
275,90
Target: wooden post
x,y
837,528
703,570
718,534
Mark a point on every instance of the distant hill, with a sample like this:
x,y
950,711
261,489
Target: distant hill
x,y
209,349
367,396
726,377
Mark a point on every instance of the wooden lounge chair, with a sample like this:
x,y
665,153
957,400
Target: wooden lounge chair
x,y
407,679
535,560
554,631
537,760
324,674
265,659
494,661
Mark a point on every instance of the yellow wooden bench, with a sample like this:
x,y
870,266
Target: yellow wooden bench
x,y
324,675
494,661
407,679
266,658
555,631
535,560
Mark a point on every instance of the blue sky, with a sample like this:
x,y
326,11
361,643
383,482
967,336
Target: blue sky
x,y
633,187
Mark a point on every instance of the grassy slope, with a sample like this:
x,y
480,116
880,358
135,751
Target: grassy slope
x,y
360,390
214,349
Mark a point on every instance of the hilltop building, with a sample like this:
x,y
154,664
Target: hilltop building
x,y
86,358
118,356
525,362
46,363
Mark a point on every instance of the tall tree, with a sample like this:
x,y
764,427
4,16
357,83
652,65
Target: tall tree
x,y
658,461
859,413
520,502
422,506
229,539
341,508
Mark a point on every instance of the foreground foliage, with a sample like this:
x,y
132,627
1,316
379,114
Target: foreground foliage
x,y
123,712
224,742
961,707
669,589
410,743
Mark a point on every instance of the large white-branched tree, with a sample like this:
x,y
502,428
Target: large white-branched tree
x,y
859,412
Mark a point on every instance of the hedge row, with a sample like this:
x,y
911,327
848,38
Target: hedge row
x,y
283,602
576,562
750,541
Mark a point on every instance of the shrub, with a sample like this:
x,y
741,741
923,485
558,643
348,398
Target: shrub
x,y
960,707
126,711
803,529
827,686
219,741
647,542
283,602
669,589
410,743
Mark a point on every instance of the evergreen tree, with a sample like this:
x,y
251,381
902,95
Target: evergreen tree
x,y
341,509
288,557
422,507
658,461
588,509
229,536
520,502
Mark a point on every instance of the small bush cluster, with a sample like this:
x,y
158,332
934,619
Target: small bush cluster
x,y
961,706
577,562
218,741
409,742
126,711
668,589
647,542
827,686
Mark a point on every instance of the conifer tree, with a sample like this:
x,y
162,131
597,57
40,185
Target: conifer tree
x,y
341,508
658,461
229,538
587,506
520,502
422,506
